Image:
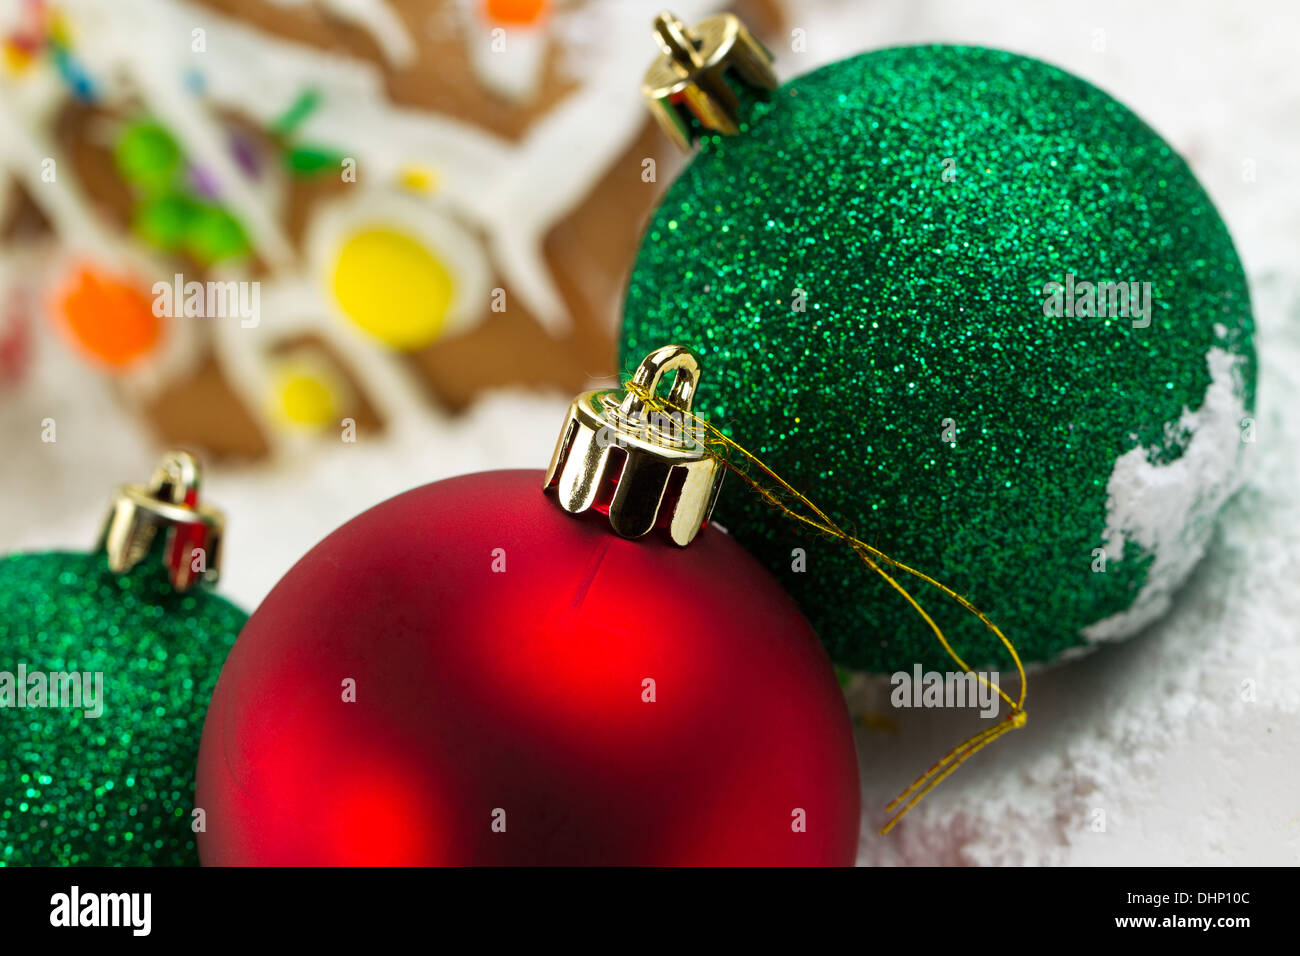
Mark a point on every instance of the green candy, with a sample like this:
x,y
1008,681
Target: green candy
x,y
147,156
214,235
312,160
165,221
117,789
307,102
865,271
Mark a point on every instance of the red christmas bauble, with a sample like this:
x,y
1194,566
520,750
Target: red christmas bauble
x,y
529,689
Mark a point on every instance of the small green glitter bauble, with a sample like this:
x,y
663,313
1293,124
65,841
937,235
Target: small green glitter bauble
x,y
117,789
865,271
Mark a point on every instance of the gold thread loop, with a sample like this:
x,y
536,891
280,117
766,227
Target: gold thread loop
x,y
777,492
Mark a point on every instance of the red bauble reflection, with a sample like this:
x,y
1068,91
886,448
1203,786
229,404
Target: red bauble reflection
x,y
502,652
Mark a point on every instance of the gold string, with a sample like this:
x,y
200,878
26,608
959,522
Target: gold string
x,y
781,495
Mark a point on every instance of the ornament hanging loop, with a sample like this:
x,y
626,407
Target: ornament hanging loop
x,y
169,503
676,42
176,479
648,375
690,85
642,468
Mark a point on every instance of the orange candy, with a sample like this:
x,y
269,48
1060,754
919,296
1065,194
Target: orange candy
x,y
515,11
109,319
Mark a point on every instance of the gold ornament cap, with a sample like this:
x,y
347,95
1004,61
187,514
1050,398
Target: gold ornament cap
x,y
170,504
689,83
643,468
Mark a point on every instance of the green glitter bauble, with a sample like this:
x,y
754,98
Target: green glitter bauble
x,y
117,789
864,271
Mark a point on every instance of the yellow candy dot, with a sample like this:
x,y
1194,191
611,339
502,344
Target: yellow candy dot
x,y
16,59
393,287
304,398
60,30
419,179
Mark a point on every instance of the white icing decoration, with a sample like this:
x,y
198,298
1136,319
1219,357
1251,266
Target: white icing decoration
x,y
515,72
377,18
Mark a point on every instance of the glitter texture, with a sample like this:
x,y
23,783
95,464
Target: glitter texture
x,y
116,790
921,198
